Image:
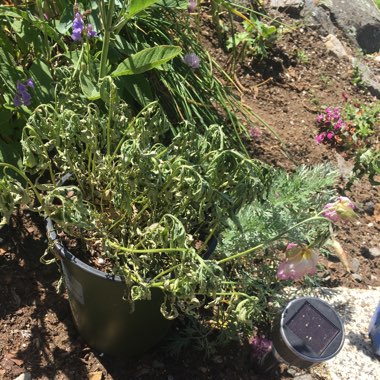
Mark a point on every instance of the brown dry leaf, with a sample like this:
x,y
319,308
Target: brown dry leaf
x,y
30,229
15,360
342,255
3,250
95,375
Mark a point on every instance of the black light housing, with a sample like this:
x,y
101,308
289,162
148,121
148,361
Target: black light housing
x,y
308,331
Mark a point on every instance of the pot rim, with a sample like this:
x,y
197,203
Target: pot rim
x,y
64,253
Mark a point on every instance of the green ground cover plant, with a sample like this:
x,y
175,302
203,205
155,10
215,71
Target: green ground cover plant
x,y
353,128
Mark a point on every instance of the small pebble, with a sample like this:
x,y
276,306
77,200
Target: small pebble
x,y
374,251
355,265
369,208
357,277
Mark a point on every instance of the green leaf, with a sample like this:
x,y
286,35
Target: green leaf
x,y
43,81
90,90
179,4
146,59
139,87
136,6
42,25
10,152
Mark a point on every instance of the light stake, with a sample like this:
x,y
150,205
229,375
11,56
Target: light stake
x,y
308,331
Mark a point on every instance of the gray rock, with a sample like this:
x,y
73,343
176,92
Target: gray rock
x,y
369,79
305,376
333,45
24,376
357,277
358,19
293,7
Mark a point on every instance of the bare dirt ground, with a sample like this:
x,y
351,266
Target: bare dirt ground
x,y
37,334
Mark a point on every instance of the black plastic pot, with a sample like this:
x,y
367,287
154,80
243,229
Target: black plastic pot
x,y
101,315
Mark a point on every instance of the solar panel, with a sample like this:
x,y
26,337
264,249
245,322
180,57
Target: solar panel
x,y
313,328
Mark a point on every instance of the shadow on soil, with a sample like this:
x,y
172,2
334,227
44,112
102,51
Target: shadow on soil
x,y
40,331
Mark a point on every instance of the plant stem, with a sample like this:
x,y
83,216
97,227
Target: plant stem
x,y
155,250
106,39
216,20
246,252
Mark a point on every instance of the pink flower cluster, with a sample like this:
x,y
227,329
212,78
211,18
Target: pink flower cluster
x,y
330,124
192,5
260,346
255,133
300,261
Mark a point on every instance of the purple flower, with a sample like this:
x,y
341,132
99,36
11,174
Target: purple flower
x,y
192,6
192,60
90,31
76,35
300,261
26,98
330,135
30,83
340,210
78,26
17,101
22,96
255,133
260,346
319,138
21,87
78,22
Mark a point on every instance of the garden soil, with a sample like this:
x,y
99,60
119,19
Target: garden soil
x,y
37,335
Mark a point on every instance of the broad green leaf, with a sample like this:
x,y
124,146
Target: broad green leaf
x,y
136,6
43,82
9,75
10,152
138,86
90,91
7,50
179,4
146,59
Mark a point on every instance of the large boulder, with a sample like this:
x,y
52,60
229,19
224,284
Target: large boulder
x,y
358,19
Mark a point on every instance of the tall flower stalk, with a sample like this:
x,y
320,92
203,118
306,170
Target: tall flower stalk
x,y
107,25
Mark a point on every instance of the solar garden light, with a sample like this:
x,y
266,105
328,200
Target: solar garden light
x,y
308,331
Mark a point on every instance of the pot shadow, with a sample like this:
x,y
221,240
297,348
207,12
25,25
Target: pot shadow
x,y
362,342
37,331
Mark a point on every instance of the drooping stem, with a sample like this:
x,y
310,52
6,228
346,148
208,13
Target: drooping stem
x,y
107,23
25,177
145,251
246,252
